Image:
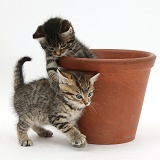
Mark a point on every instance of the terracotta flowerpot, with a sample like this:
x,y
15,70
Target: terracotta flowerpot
x,y
116,106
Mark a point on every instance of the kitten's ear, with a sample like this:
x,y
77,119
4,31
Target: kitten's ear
x,y
65,27
94,78
39,33
64,78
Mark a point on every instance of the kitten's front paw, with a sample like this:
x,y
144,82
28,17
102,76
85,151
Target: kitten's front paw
x,y
26,143
79,141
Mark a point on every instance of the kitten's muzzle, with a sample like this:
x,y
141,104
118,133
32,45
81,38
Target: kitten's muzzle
x,y
86,103
57,52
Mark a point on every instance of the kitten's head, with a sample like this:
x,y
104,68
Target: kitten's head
x,y
77,88
55,36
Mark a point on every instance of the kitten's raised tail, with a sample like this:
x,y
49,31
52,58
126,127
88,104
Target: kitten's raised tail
x,y
18,72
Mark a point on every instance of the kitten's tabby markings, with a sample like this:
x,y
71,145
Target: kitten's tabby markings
x,y
52,67
37,104
57,38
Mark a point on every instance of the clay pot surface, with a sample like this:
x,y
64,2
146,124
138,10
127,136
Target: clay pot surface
x,y
114,113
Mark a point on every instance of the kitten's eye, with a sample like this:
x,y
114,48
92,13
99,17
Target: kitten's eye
x,y
50,48
78,96
90,94
63,45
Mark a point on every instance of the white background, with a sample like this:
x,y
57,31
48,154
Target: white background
x,y
124,24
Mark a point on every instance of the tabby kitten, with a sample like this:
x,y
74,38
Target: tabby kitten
x,y
37,104
57,38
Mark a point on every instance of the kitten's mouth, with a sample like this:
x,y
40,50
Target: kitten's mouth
x,y
59,55
85,105
88,104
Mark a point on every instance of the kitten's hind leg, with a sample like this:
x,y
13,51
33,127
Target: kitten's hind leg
x,y
22,128
41,131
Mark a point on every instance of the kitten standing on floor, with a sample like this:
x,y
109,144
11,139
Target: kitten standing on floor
x,y
37,104
57,38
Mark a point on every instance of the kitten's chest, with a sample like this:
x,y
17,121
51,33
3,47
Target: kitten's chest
x,y
74,115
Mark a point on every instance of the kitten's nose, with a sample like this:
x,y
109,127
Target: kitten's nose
x,y
86,103
58,53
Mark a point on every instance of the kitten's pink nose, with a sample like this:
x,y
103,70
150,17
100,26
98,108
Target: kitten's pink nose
x,y
58,53
86,103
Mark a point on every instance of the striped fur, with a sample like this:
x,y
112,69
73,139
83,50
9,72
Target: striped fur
x,y
37,104
18,77
57,38
51,67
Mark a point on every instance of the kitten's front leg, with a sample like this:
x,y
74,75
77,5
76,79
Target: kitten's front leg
x,y
51,66
78,140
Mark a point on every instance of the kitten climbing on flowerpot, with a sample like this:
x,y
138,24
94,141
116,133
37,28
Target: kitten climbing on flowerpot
x,y
115,110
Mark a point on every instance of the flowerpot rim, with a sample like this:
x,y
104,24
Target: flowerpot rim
x,y
109,59
145,56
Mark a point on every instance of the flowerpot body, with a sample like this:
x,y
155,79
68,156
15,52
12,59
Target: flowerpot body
x,y
114,113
